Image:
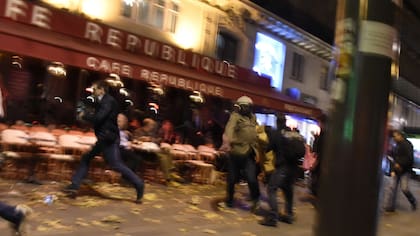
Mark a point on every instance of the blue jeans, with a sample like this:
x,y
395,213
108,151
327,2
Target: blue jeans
x,y
247,164
111,155
9,213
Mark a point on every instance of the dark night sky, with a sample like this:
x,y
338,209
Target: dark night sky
x,y
314,16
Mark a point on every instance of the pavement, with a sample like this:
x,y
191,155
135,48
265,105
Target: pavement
x,y
182,209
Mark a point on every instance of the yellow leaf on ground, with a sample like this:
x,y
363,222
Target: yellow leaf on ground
x,y
150,196
209,231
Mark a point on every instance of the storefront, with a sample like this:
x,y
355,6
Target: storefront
x,y
50,35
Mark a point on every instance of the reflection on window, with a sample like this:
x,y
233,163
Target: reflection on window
x,y
157,13
226,47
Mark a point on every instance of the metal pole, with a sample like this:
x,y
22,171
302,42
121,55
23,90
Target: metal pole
x,y
356,127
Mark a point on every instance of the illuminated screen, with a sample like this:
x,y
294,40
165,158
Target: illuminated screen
x,y
266,119
416,147
269,59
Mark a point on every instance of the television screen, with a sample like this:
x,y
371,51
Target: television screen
x,y
416,146
269,59
266,119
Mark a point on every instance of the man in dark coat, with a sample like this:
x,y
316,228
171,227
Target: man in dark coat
x,y
283,176
106,129
403,158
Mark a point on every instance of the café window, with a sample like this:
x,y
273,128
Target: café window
x,y
226,47
160,14
297,67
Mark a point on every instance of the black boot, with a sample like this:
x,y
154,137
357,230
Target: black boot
x,y
268,221
412,200
288,219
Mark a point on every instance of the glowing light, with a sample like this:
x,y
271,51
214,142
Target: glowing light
x,y
129,2
114,80
129,102
17,61
59,3
90,98
197,97
94,9
57,69
124,92
59,99
186,37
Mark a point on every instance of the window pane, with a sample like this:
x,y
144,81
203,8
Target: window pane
x,y
172,17
158,14
226,47
126,10
143,13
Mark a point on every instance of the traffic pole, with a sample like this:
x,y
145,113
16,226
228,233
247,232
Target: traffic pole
x,y
351,176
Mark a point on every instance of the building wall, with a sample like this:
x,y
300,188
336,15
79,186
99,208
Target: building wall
x,y
197,27
403,113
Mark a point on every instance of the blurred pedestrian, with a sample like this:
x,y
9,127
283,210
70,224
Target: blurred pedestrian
x,y
17,216
106,129
401,168
131,159
240,141
149,135
288,147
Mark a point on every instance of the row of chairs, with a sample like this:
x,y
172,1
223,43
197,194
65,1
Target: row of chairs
x,y
45,153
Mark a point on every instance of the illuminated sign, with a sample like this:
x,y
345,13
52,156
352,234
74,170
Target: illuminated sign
x,y
269,59
149,75
58,21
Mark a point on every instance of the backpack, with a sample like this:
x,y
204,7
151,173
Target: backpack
x,y
294,147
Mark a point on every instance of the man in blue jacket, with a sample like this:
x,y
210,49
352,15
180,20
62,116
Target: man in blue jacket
x,y
106,129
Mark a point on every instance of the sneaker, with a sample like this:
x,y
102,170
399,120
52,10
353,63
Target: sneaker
x,y
288,219
177,178
20,229
389,209
70,191
267,221
171,183
255,206
225,205
414,206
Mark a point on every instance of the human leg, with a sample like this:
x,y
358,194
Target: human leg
x,y
251,177
287,188
232,177
130,158
8,213
165,161
405,189
392,193
16,215
83,168
275,179
111,154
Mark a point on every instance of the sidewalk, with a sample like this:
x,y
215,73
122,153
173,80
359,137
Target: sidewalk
x,y
184,210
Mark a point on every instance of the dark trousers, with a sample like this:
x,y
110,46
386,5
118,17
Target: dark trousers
x,y
283,178
247,164
402,180
111,154
131,159
9,213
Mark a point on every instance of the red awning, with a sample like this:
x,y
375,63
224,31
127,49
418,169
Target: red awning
x,y
36,42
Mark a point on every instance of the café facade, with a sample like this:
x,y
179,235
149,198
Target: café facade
x,y
38,31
